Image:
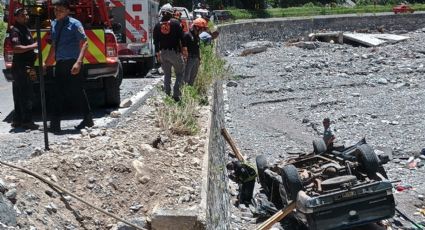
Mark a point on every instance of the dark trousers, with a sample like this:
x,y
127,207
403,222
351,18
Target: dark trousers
x,y
246,190
67,84
22,94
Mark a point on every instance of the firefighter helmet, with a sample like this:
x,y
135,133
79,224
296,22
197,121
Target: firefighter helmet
x,y
167,8
200,23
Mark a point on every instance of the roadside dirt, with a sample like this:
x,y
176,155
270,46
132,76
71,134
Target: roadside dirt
x,y
130,171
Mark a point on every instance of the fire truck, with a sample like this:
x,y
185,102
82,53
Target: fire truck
x,y
102,68
133,22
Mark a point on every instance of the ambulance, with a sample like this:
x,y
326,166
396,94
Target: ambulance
x,y
133,22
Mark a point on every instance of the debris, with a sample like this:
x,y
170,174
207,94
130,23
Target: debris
x,y
253,50
306,45
392,38
126,103
364,39
332,37
403,187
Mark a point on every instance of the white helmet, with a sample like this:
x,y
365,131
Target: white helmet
x,y
167,8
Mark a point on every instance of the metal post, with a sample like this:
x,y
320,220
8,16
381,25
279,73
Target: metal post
x,y
42,86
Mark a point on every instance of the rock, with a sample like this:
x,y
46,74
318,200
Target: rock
x,y
253,50
144,179
140,222
115,114
136,207
11,194
126,103
382,81
7,213
51,208
196,162
147,148
307,45
37,152
3,186
92,180
232,84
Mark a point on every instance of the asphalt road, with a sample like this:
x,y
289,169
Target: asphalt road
x,y
17,144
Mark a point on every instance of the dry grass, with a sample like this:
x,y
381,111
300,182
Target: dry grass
x,y
181,117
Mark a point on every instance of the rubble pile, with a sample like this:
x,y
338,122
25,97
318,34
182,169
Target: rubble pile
x,y
130,171
278,98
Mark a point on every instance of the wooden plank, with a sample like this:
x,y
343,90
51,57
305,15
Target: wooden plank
x,y
232,144
390,37
364,39
278,216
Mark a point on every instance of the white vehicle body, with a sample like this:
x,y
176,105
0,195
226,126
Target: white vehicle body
x,y
136,20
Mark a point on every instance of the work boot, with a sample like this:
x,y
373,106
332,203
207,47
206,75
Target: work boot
x,y
30,125
55,126
15,124
86,122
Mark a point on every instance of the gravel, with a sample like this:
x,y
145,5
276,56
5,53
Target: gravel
x,y
277,99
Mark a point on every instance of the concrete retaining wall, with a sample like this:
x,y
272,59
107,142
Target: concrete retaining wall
x,y
217,197
232,35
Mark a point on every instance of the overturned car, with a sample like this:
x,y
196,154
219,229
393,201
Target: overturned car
x,y
333,188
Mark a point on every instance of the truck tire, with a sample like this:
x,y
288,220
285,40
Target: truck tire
x,y
368,159
319,146
261,162
112,88
291,181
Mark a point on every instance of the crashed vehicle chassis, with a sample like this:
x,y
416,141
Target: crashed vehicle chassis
x,y
333,189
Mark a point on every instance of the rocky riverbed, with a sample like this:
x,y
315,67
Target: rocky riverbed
x,y
277,99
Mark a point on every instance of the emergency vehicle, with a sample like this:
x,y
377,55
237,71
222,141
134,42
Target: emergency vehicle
x,y
133,22
102,67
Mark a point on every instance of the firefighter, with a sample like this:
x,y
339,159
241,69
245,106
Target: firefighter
x,y
244,174
191,38
169,49
22,71
69,44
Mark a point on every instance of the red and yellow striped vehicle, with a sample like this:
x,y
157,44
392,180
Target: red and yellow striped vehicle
x,y
102,67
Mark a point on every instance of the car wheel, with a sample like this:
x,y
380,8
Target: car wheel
x,y
112,88
261,162
319,146
336,182
291,181
368,159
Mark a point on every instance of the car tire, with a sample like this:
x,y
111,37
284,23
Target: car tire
x,y
291,181
112,88
261,162
319,146
368,159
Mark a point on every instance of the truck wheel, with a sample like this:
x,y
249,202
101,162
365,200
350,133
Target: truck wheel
x,y
368,159
291,181
261,162
319,146
112,88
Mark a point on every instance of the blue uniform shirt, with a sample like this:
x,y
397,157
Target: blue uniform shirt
x,y
68,46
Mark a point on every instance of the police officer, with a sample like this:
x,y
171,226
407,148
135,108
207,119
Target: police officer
x,y
69,44
191,39
169,48
244,174
22,64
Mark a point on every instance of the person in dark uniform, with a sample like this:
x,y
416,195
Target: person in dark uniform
x,y
169,49
244,174
328,134
191,39
69,44
22,64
